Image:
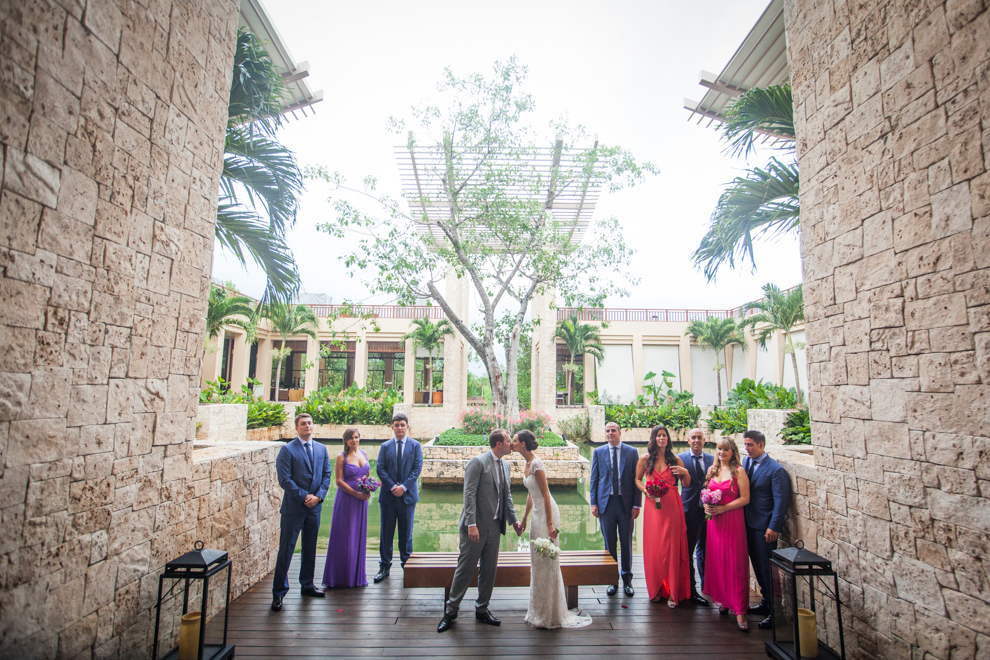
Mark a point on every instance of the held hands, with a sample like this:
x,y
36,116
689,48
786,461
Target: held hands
x,y
364,496
311,501
519,526
770,536
473,534
398,490
714,509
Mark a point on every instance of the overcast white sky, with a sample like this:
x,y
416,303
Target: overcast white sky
x,y
620,68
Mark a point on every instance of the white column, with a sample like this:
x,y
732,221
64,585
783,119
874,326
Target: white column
x,y
729,355
241,362
264,366
361,359
589,373
684,360
409,375
313,373
212,362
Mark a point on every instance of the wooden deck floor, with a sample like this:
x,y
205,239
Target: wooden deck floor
x,y
385,620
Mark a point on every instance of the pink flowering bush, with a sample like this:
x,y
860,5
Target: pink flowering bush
x,y
478,422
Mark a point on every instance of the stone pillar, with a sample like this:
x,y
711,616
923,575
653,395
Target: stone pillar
x,y
729,355
776,347
752,351
263,370
241,362
637,355
684,358
313,357
409,375
589,373
112,135
212,362
544,362
361,360
893,138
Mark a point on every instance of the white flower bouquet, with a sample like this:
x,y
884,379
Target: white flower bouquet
x,y
545,548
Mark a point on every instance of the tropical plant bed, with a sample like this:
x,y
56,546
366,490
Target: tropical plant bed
x,y
444,465
350,407
461,438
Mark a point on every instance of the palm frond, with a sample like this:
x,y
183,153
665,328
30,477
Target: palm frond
x,y
224,309
266,172
257,91
765,202
244,233
761,110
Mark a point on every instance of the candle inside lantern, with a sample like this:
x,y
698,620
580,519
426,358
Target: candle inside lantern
x,y
808,630
189,636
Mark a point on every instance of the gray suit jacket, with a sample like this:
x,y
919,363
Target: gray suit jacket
x,y
481,494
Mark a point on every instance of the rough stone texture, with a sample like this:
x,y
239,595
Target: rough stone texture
x,y
226,422
111,124
892,101
768,422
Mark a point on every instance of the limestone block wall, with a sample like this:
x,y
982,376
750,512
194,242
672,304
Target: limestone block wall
x,y
221,422
768,422
112,120
892,104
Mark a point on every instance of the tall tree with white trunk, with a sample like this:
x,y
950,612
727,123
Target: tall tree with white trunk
x,y
492,199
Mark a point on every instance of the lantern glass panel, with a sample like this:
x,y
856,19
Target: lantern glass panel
x,y
784,608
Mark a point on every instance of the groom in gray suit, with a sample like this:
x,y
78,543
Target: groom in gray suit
x,y
487,508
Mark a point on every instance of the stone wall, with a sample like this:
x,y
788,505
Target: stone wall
x,y
225,422
769,422
892,103
111,123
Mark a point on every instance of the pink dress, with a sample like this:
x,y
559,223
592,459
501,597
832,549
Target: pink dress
x,y
726,558
665,549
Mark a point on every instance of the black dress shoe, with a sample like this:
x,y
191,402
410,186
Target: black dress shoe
x,y
313,593
760,609
765,624
382,574
277,604
612,590
487,617
446,623
698,599
628,589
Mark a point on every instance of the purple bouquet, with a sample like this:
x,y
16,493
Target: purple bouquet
x,y
368,484
711,497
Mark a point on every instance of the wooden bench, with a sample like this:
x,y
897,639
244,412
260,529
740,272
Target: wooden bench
x,y
579,568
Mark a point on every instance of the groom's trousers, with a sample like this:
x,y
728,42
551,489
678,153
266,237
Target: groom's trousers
x,y
616,524
485,550
291,524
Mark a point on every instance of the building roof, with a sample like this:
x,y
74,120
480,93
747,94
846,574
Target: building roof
x,y
254,17
760,61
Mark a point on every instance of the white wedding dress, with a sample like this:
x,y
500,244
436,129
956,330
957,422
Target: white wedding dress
x,y
547,597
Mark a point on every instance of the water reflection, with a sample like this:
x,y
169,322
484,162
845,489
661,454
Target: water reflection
x,y
439,509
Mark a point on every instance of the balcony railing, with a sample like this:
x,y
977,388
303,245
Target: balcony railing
x,y
659,315
380,311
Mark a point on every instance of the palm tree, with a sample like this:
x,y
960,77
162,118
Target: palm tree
x,y
428,335
716,334
580,339
288,320
225,309
763,202
258,172
778,311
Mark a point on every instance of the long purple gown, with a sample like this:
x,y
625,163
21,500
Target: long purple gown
x,y
348,534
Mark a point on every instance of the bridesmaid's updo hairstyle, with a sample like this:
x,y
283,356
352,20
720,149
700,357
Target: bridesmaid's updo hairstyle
x,y
728,444
348,434
528,439
653,449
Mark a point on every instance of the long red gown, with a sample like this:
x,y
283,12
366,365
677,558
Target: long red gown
x,y
665,549
726,558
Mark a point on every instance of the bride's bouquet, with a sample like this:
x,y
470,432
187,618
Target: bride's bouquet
x,y
368,484
545,548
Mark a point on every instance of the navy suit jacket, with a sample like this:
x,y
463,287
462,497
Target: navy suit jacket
x,y
601,477
298,478
769,495
391,473
691,495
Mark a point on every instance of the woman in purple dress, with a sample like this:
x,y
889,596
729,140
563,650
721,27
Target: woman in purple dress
x,y
349,526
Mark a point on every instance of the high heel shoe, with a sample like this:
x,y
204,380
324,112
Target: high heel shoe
x,y
671,603
743,625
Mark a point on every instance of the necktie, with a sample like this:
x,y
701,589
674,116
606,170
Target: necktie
x,y
699,467
751,469
615,470
501,487
398,458
309,452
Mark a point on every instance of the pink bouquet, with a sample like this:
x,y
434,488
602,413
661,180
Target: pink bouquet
x,y
657,489
711,497
368,484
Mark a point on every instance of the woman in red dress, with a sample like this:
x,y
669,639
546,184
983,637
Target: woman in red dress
x,y
665,549
726,557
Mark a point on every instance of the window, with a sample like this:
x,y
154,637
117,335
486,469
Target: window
x,y
337,370
386,369
422,374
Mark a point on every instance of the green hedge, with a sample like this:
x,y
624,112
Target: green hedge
x,y
674,416
748,394
460,438
797,428
351,406
261,414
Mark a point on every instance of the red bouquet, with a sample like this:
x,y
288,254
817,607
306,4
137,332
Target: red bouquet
x,y
657,488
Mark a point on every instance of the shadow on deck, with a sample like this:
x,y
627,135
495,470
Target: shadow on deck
x,y
385,620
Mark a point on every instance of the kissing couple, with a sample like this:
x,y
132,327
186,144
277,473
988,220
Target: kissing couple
x,y
487,511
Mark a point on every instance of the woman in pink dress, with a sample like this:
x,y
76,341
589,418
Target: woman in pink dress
x,y
666,561
726,557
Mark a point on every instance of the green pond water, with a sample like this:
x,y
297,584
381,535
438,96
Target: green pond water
x,y
439,509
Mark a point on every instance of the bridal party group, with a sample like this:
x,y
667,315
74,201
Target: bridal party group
x,y
707,516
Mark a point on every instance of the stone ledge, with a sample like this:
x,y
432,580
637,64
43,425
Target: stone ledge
x,y
443,465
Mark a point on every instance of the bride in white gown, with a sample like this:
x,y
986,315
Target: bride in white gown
x,y
547,597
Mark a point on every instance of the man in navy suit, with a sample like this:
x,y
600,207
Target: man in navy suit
x,y
697,463
400,460
769,497
615,500
304,473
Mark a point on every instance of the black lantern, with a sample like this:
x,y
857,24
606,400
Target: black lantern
x,y
198,564
795,574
